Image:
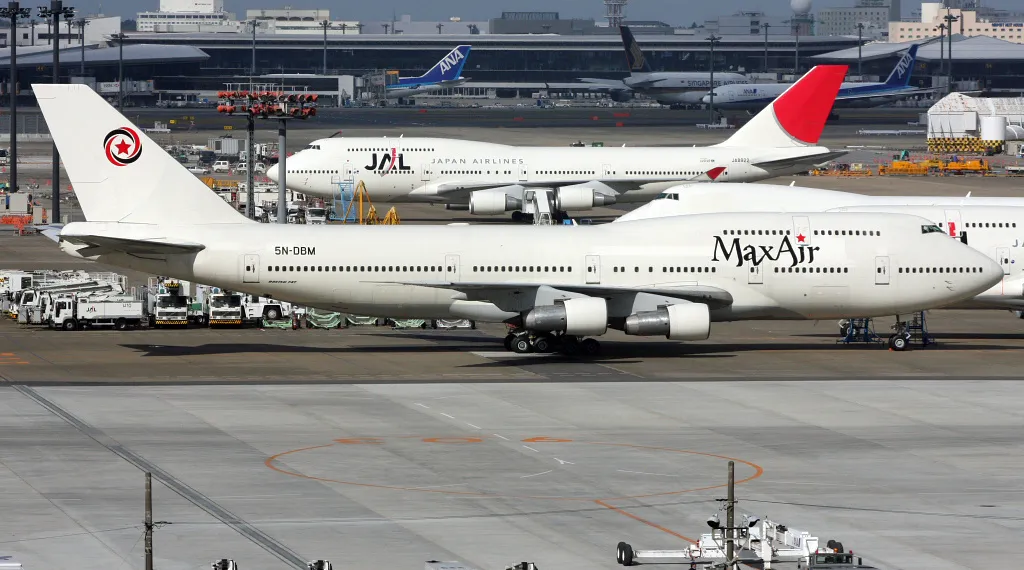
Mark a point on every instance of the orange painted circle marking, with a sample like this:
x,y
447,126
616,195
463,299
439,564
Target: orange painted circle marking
x,y
758,471
543,439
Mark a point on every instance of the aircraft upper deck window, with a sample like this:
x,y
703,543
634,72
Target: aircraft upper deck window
x,y
931,229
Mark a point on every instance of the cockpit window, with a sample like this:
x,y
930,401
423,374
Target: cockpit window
x,y
931,229
313,147
667,196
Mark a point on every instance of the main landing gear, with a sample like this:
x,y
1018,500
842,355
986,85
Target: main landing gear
x,y
525,342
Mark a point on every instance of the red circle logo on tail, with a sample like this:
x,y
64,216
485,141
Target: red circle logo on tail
x,y
122,146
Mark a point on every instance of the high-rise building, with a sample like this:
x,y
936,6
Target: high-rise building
x,y
874,15
1005,26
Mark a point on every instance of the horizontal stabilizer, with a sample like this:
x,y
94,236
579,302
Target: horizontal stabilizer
x,y
156,246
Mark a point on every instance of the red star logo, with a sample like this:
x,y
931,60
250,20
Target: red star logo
x,y
122,147
800,238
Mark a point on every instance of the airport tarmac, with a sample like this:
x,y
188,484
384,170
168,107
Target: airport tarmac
x,y
376,448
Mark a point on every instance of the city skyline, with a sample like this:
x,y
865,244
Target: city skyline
x,y
675,13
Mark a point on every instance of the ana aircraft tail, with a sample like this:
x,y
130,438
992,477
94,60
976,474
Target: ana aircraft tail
x,y
449,68
798,116
634,55
900,76
118,173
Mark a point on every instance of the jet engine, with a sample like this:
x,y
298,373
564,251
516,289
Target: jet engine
x,y
687,321
587,316
581,198
621,96
484,203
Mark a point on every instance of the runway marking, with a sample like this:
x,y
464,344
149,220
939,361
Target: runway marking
x,y
645,473
645,521
422,406
473,426
501,436
545,439
272,463
447,416
496,354
536,474
562,461
10,358
531,449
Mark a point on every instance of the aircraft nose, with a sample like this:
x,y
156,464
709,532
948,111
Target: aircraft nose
x,y
706,99
272,173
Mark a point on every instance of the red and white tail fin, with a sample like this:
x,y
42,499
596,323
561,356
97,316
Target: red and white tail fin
x,y
118,173
797,117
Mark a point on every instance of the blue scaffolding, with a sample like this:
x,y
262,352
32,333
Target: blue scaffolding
x,y
343,197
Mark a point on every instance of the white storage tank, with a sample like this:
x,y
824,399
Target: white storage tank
x,y
993,128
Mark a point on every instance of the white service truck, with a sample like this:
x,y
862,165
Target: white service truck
x,y
168,303
316,215
71,312
265,308
226,308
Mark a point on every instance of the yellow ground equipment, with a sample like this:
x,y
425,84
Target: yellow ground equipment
x,y
903,168
967,167
842,169
366,214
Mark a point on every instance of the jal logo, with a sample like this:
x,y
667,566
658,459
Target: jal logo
x,y
755,255
122,146
387,162
450,61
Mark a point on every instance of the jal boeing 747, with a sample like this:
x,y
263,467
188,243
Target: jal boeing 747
x,y
670,277
491,179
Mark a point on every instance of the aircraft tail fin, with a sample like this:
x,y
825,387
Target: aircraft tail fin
x,y
900,76
797,117
449,68
118,173
635,59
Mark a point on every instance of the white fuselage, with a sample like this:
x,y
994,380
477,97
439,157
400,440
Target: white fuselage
x,y
689,87
448,171
994,226
771,266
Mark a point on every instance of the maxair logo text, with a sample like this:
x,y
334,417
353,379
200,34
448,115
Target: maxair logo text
x,y
122,146
755,255
387,162
450,61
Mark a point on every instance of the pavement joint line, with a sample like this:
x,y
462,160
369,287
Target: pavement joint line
x,y
253,534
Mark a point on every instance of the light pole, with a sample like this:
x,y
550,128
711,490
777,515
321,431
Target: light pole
x,y
14,11
766,25
82,23
440,26
942,47
712,39
255,24
796,56
860,43
52,16
949,18
326,25
119,36
386,28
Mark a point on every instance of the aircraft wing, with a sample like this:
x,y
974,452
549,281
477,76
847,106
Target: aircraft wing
x,y
454,189
95,245
894,94
713,297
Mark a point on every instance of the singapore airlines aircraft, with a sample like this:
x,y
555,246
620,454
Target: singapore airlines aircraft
x,y
993,226
670,277
672,88
488,178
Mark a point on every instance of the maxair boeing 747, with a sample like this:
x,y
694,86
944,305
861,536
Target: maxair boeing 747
x,y
896,86
489,179
446,73
670,277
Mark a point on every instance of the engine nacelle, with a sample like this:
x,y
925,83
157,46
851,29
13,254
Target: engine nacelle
x,y
687,321
579,317
581,198
621,96
484,203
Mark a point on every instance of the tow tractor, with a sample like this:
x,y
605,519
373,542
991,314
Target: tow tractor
x,y
760,543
